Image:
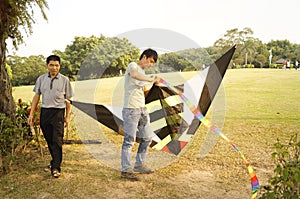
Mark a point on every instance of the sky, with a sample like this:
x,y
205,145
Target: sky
x,y
202,21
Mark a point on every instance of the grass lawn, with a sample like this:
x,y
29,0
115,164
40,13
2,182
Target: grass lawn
x,y
259,107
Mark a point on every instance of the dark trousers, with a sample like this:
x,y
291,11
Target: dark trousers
x,y
52,125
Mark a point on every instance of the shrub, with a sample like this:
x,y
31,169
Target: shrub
x,y
238,66
286,181
31,135
15,134
249,66
11,134
274,65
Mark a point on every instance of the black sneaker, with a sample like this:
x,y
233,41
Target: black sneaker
x,y
129,175
48,168
142,169
55,173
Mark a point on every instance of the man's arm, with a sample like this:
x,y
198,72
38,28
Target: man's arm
x,y
138,76
35,101
68,112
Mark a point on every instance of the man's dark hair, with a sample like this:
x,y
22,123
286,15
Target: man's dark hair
x,y
53,58
149,53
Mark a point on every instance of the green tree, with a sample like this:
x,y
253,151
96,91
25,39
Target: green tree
x,y
230,38
25,70
233,37
175,61
261,60
296,51
15,15
249,49
197,57
108,58
262,55
76,53
215,52
94,57
281,49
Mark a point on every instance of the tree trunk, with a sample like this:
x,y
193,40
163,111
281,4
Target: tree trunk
x,y
7,105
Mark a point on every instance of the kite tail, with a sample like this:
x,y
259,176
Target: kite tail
x,y
253,178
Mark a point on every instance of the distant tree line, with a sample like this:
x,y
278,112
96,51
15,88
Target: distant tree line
x,y
95,57
251,51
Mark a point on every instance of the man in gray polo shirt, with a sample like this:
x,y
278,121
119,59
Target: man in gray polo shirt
x,y
55,88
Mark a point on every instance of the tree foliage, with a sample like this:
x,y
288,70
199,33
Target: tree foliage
x,y
75,54
94,57
26,69
14,15
251,50
18,13
234,36
173,60
284,49
108,58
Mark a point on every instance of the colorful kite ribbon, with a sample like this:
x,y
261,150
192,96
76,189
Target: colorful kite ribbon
x,y
254,180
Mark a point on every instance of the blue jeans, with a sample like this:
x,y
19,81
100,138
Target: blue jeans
x,y
136,124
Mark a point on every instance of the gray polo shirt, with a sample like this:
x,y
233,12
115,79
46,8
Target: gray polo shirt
x,y
54,91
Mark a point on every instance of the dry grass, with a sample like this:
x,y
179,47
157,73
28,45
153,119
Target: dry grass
x,y
261,106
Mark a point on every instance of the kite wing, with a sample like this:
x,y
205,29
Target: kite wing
x,y
102,114
170,119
